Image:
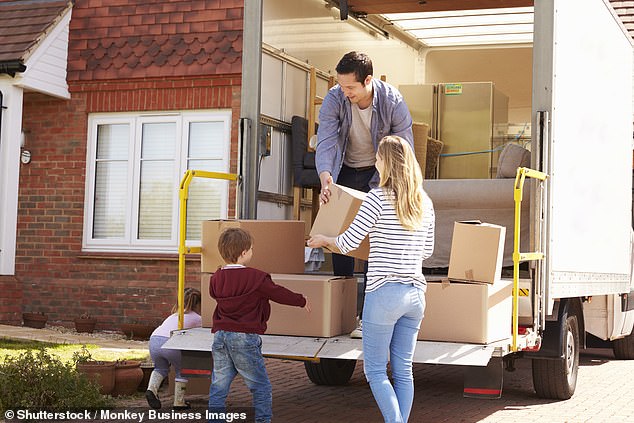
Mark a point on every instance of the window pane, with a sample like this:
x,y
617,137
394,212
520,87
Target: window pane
x,y
111,186
206,140
206,196
155,202
112,141
111,181
159,141
156,193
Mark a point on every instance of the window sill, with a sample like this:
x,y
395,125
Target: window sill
x,y
136,256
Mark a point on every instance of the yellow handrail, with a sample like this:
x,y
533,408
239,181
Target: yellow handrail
x,y
518,192
183,194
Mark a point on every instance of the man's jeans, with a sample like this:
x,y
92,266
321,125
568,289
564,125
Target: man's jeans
x,y
240,353
392,317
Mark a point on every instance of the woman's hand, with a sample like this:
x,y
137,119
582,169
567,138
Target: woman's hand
x,y
319,240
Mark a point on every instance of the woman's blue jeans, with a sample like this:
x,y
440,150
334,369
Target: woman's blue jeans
x,y
240,353
391,319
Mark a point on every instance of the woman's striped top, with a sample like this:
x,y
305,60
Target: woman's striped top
x,y
396,254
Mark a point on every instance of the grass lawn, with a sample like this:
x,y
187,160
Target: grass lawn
x,y
15,347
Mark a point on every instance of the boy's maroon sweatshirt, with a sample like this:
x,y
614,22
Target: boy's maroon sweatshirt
x,y
243,295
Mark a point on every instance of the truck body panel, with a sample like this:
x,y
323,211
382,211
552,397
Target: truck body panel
x,y
587,147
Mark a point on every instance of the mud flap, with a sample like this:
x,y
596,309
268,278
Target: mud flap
x,y
484,382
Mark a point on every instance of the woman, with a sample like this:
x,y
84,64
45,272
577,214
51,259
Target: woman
x,y
398,216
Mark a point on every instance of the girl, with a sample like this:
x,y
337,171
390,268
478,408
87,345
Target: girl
x,y
163,358
398,216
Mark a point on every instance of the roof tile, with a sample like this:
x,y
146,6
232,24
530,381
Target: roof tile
x,y
155,40
29,22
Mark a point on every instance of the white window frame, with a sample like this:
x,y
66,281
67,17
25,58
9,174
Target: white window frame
x,y
136,120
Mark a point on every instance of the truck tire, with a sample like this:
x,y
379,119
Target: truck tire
x,y
557,379
624,348
330,371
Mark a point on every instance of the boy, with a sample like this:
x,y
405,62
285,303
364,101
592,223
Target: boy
x,y
242,294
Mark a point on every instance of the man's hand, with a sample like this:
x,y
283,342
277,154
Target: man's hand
x,y
326,180
307,306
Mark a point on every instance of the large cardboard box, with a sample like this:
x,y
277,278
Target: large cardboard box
x,y
478,313
335,216
477,251
278,245
333,302
207,304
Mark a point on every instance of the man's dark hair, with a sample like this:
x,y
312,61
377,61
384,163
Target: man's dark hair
x,y
357,63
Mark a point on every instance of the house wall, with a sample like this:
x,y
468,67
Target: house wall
x,y
146,56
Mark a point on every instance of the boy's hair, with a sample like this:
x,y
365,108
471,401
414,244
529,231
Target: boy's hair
x,y
191,300
357,63
232,243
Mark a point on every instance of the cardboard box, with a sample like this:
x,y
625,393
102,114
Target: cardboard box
x,y
335,216
333,302
477,251
467,312
278,245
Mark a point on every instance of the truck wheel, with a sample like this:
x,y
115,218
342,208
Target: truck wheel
x,y
330,371
557,379
624,348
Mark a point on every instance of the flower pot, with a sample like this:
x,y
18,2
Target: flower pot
x,y
85,325
34,320
101,372
127,377
136,331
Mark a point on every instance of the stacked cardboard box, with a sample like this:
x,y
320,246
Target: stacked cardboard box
x,y
474,304
278,249
333,302
477,250
467,312
278,245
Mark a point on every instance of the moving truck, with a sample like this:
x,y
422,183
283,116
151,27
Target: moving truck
x,y
575,94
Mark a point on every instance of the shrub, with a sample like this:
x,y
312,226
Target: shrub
x,y
37,380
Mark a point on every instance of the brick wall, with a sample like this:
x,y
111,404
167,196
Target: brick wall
x,y
56,277
10,300
123,56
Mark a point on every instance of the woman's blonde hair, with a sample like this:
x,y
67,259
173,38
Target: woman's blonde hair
x,y
402,176
191,300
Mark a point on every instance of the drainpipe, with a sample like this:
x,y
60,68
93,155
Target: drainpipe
x,y
250,107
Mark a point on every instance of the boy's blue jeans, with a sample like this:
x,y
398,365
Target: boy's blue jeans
x,y
391,319
240,353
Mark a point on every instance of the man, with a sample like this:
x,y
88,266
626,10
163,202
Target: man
x,y
355,115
